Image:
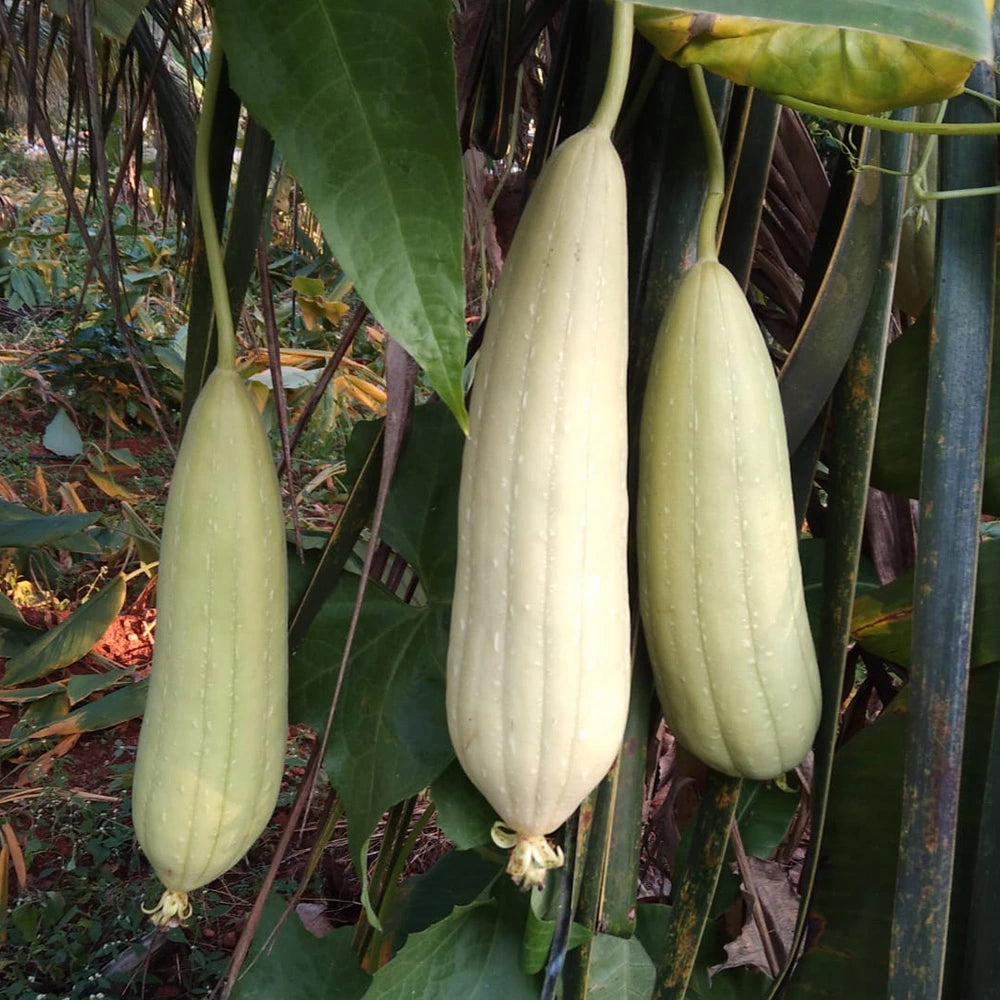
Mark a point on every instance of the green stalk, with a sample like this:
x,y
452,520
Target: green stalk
x,y
889,124
951,482
694,887
402,855
708,231
610,105
225,333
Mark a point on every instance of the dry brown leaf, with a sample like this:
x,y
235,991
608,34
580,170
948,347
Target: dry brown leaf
x,y
314,919
780,906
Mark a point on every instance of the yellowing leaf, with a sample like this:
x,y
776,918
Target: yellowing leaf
x,y
843,68
116,418
316,308
71,498
13,848
310,314
365,393
40,489
309,287
7,492
107,485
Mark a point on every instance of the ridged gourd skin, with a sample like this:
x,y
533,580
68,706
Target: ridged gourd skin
x,y
212,745
720,586
539,658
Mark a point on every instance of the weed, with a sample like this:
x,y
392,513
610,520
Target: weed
x,y
82,908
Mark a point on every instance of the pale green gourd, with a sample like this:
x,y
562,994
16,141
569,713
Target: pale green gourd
x,y
212,745
720,585
538,659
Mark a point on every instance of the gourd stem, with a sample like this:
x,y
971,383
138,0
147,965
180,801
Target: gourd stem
x,y
888,124
610,105
225,335
709,228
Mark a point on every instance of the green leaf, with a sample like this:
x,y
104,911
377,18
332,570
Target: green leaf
x,y
457,879
850,915
421,515
70,639
39,716
61,436
763,813
421,510
620,967
114,18
298,965
472,955
812,554
14,641
126,703
882,622
361,101
463,814
897,458
308,286
651,922
23,528
390,736
21,696
10,616
540,927
81,686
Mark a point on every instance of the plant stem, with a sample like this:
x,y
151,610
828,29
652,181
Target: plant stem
x,y
225,335
709,228
889,124
402,855
620,61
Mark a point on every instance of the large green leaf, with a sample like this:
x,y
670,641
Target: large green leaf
x,y
620,967
472,954
421,511
390,736
23,528
851,912
298,965
457,879
361,100
463,814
